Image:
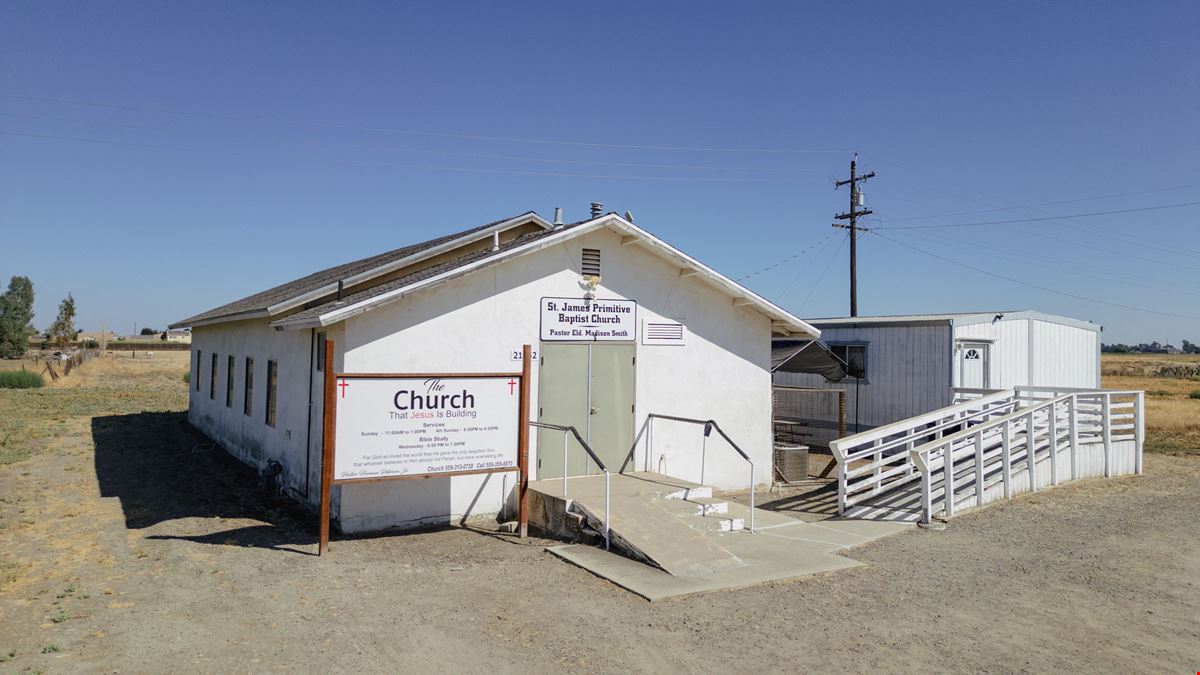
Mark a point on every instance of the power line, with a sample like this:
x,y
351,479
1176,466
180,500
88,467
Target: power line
x,y
1035,220
421,132
1087,243
1175,248
1031,285
437,167
809,264
522,158
788,259
1024,256
829,264
1061,201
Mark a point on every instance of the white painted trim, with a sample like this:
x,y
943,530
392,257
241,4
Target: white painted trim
x,y
955,320
225,318
417,257
374,272
783,318
1026,314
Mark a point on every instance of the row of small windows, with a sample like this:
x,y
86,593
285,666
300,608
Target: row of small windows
x,y
248,385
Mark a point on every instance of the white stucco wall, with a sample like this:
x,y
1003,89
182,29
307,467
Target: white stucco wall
x,y
248,437
471,324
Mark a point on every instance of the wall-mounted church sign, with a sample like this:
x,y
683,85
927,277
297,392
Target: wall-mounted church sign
x,y
582,319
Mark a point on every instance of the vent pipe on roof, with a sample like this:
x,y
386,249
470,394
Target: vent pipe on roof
x,y
558,223
341,287
597,209
496,241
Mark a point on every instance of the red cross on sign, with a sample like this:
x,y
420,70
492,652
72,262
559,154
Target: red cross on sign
x,y
343,384
511,383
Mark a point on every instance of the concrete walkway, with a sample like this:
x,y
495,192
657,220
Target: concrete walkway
x,y
696,542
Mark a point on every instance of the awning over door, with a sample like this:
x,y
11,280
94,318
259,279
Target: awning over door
x,y
806,356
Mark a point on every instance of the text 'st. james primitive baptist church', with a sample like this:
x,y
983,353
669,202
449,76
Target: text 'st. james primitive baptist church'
x,y
658,332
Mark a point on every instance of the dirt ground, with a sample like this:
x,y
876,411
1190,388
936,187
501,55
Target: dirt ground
x,y
124,548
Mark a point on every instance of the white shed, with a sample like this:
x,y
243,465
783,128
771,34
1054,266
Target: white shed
x,y
690,343
913,364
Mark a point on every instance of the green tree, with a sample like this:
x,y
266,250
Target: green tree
x,y
150,331
16,313
62,331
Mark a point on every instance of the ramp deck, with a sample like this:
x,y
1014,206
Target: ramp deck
x,y
694,542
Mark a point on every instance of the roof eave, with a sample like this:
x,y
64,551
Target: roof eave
x,y
782,321
225,318
375,272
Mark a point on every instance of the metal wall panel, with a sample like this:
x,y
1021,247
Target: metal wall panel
x,y
908,373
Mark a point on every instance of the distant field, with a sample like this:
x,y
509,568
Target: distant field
x,y
1172,416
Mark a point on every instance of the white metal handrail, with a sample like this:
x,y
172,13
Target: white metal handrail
x,y
1022,435
709,426
878,459
567,432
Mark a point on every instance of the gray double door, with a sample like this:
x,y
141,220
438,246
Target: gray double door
x,y
588,386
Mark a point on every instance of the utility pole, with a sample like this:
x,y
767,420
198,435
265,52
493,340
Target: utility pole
x,y
852,215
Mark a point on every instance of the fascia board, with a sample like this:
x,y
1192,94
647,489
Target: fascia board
x,y
1025,314
661,247
381,270
227,318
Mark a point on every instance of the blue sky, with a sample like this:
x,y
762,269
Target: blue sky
x,y
158,159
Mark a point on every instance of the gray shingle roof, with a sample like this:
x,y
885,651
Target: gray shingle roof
x,y
420,275
259,302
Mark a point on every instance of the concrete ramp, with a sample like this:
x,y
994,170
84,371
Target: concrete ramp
x,y
671,537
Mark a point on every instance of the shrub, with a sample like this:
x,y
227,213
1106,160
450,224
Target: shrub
x,y
187,377
20,379
1195,394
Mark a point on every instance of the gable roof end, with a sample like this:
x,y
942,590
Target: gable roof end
x,y
783,322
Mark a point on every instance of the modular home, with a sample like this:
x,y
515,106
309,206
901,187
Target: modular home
x,y
621,323
903,366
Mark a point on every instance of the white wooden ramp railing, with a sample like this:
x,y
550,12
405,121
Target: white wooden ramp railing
x,y
879,460
1059,435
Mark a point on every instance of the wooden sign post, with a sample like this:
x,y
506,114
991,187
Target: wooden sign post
x,y
523,448
423,425
329,416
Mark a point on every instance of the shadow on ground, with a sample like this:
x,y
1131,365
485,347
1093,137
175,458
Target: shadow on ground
x,y
817,499
151,462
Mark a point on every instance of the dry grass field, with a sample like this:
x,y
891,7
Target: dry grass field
x,y
1170,381
127,547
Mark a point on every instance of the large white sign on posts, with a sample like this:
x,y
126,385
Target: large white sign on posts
x,y
580,319
392,427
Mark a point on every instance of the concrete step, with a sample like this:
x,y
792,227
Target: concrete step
x,y
690,493
717,523
704,506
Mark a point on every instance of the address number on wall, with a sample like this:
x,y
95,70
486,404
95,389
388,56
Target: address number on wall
x,y
515,355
